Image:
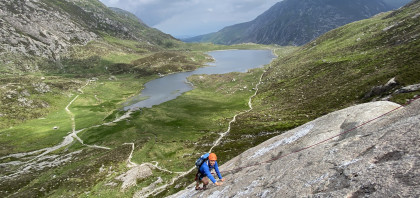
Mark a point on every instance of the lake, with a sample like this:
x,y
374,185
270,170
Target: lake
x,y
171,86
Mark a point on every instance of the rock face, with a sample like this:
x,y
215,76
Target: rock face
x,y
376,159
34,28
292,22
38,29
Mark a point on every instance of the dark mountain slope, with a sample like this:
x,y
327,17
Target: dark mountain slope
x,y
293,22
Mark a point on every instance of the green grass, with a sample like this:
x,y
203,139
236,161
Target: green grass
x,y
332,72
35,134
122,66
88,111
26,128
122,57
171,128
92,60
75,178
165,133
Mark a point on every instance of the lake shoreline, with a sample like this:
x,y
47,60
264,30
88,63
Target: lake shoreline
x,y
171,86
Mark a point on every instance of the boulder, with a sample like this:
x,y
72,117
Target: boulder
x,y
382,89
41,87
130,178
407,89
368,150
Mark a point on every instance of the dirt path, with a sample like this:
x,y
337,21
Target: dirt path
x,y
67,140
73,135
73,122
182,174
234,117
38,157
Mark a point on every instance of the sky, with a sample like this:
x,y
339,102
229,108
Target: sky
x,y
185,18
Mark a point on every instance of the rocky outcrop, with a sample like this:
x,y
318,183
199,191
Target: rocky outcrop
x,y
33,28
130,178
408,89
381,89
366,150
387,91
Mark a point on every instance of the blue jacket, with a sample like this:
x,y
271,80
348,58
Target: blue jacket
x,y
206,168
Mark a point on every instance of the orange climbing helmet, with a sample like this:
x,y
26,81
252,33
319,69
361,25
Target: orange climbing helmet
x,y
212,156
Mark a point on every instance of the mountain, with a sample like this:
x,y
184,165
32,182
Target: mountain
x,y
71,40
396,4
32,30
292,22
127,14
63,135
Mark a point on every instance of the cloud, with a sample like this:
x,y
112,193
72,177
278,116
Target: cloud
x,y
193,17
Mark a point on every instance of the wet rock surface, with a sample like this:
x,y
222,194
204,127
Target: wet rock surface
x,y
357,159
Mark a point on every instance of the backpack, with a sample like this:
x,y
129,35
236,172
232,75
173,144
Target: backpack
x,y
200,161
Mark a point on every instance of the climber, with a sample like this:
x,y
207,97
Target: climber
x,y
204,173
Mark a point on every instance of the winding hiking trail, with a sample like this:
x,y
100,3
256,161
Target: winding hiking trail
x,y
38,157
182,174
234,117
73,122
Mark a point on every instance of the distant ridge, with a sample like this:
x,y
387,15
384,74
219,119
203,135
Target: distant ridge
x,y
127,14
292,22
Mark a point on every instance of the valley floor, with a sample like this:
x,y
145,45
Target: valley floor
x,y
88,144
